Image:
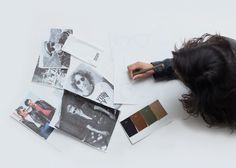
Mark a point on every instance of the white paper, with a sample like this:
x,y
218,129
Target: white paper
x,y
126,50
82,50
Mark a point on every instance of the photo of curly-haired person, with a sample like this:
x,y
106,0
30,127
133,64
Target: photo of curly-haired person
x,y
85,81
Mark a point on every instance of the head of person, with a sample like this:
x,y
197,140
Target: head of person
x,y
49,47
207,66
82,82
64,35
29,102
72,109
21,112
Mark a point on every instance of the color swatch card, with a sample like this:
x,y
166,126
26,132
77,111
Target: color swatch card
x,y
143,122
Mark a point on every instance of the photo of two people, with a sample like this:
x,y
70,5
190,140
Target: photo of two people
x,y
36,114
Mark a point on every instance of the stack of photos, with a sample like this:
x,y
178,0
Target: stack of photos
x,y
145,121
35,114
87,109
53,63
87,120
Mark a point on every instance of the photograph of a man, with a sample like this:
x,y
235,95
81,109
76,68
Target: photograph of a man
x,y
42,107
35,121
87,120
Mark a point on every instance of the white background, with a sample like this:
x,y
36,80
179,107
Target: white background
x,y
183,143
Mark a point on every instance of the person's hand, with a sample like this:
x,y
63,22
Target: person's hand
x,y
139,66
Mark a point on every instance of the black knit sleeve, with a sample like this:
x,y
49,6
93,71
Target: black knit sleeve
x,y
165,71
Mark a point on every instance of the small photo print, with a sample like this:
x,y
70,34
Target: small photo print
x,y
84,81
35,114
53,77
52,55
90,122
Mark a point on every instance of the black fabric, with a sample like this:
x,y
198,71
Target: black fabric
x,y
165,72
129,127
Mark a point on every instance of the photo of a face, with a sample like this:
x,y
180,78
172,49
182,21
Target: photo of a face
x,y
73,109
83,83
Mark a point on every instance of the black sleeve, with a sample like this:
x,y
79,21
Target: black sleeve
x,y
164,72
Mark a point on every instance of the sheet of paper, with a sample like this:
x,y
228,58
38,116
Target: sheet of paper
x,y
126,50
82,50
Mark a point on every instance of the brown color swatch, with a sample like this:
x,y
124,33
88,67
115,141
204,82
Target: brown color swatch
x,y
138,121
158,110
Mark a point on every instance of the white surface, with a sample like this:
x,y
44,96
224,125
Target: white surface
x,y
183,143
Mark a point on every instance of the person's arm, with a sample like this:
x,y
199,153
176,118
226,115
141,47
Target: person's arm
x,y
105,133
100,109
164,72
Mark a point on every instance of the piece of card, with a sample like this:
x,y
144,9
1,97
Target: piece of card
x,y
90,122
145,121
82,50
36,114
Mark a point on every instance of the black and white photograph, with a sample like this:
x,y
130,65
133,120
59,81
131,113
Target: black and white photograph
x,y
89,121
36,114
83,80
51,55
53,77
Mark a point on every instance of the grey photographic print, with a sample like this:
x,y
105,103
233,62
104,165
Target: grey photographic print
x,y
83,80
51,55
89,121
53,77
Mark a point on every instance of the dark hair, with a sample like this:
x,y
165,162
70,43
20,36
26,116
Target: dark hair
x,y
207,66
27,102
84,74
18,109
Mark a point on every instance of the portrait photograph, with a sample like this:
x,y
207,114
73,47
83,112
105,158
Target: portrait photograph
x,y
89,121
83,80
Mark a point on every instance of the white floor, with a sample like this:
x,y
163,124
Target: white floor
x,y
183,143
